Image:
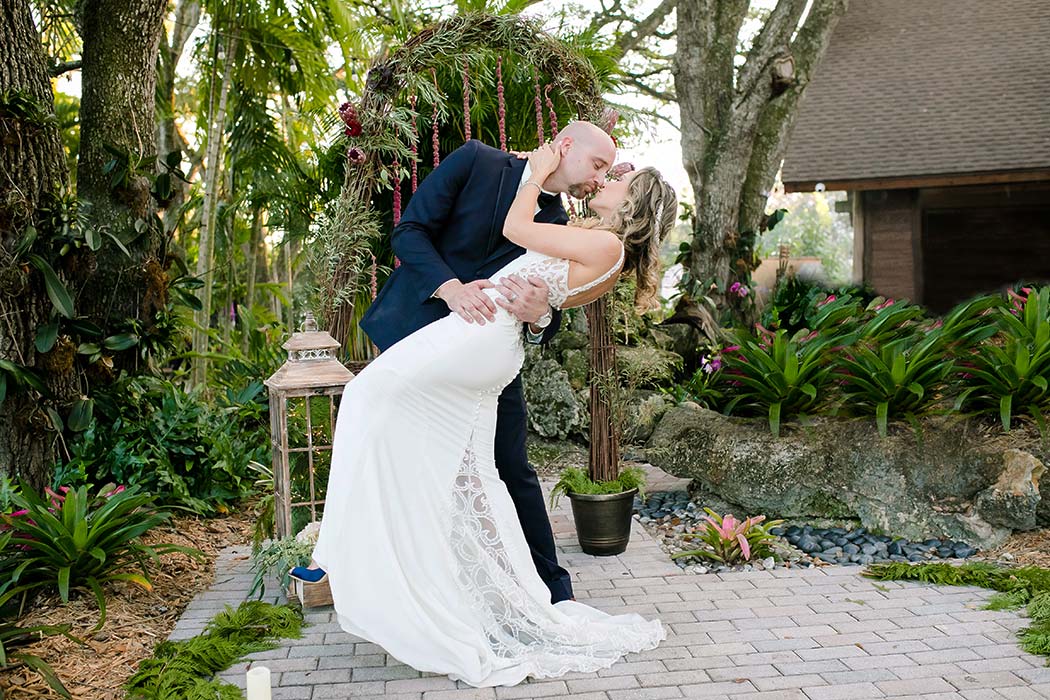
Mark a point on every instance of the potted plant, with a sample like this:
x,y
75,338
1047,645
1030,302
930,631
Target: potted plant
x,y
603,497
601,509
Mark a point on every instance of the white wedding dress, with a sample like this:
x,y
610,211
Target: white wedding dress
x,y
420,539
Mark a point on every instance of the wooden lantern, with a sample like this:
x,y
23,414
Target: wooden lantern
x,y
303,397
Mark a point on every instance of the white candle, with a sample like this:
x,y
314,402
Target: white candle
x,y
259,683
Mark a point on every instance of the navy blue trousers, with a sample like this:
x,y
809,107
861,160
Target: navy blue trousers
x,y
512,462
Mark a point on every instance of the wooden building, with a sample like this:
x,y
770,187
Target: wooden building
x,y
935,116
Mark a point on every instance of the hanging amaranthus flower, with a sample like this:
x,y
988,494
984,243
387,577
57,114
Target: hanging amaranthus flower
x,y
397,192
374,285
348,113
539,107
550,108
466,100
434,135
415,145
502,104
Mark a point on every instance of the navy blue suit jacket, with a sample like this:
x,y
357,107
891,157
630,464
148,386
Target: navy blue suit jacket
x,y
451,228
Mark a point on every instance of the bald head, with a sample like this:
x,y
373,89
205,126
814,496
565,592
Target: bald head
x,y
587,153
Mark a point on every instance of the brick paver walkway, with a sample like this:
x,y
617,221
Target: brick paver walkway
x,y
786,634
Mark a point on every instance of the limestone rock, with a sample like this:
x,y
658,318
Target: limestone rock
x,y
1013,501
945,481
643,413
554,409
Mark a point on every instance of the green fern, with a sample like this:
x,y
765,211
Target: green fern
x,y
183,670
1028,585
1009,600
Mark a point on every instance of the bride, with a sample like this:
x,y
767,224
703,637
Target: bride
x,y
420,539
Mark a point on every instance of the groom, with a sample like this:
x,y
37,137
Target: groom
x,y
449,241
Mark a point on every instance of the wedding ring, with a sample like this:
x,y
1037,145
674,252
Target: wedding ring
x,y
512,296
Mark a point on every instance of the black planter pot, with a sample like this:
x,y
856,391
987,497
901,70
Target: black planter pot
x,y
603,522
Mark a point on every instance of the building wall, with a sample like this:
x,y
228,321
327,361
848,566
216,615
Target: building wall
x,y
888,222
940,246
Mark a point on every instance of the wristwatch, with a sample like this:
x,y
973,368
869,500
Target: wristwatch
x,y
544,320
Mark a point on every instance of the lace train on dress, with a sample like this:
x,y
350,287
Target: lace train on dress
x,y
424,552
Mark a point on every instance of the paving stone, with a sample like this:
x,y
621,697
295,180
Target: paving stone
x,y
785,634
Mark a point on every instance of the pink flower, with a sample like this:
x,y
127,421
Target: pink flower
x,y
620,169
745,548
355,156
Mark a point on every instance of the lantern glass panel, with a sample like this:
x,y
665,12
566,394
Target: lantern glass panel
x,y
296,422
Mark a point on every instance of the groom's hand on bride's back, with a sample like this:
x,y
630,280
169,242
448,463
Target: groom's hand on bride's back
x,y
468,300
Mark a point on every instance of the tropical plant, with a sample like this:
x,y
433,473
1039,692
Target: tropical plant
x,y
780,376
12,636
731,541
277,558
900,368
76,539
577,480
179,447
703,386
1011,371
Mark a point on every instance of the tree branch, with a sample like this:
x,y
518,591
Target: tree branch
x,y
771,40
645,28
778,116
648,90
64,67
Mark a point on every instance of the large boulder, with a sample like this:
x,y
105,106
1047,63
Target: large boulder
x,y
555,410
644,412
949,479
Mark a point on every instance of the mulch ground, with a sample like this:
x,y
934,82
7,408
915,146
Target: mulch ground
x,y
136,620
1023,549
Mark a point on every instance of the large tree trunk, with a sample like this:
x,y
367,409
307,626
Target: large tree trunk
x,y
735,122
117,110
184,21
33,171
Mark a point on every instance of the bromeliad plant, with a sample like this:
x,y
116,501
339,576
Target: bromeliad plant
x,y
781,376
14,637
733,541
77,540
906,377
1011,372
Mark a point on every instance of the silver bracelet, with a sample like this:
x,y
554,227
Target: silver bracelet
x,y
530,182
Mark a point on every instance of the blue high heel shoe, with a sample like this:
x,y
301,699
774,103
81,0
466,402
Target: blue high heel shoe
x,y
308,575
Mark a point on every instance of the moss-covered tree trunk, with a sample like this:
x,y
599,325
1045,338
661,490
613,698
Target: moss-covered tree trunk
x,y
736,120
117,111
32,173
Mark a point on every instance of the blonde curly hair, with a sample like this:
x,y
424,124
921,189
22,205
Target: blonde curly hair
x,y
642,222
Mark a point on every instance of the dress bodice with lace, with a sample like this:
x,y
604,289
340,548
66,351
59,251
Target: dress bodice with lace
x,y
553,271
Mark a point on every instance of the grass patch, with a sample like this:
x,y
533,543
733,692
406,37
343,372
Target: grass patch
x,y
184,669
1022,587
